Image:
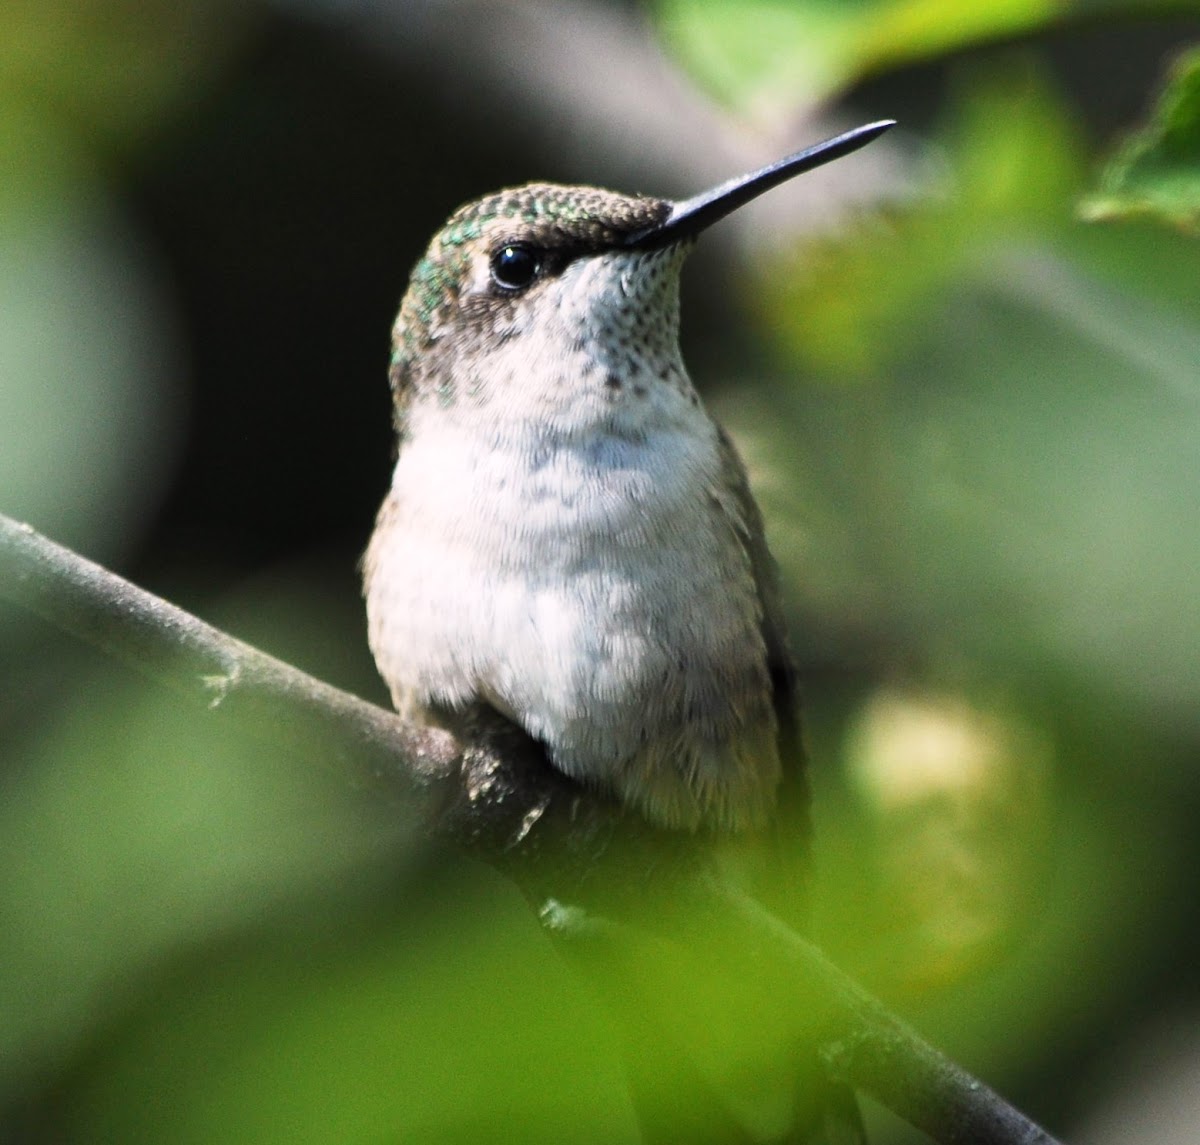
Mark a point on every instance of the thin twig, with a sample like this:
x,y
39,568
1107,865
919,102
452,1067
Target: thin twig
x,y
271,699
557,841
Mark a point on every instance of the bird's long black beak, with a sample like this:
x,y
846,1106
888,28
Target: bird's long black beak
x,y
693,215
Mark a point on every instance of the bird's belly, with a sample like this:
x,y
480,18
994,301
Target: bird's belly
x,y
610,614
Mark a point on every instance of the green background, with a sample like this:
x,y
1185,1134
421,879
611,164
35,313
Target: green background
x,y
971,413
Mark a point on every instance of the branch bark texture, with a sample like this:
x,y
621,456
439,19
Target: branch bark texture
x,y
562,845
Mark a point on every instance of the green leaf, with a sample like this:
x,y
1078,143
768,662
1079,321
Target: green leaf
x,y
1011,167
1010,460
1156,174
114,71
764,55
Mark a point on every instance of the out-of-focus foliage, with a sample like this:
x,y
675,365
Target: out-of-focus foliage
x,y
260,953
1007,161
1157,172
962,792
113,68
129,829
767,56
976,444
1017,419
89,361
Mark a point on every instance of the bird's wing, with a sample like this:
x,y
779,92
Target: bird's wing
x,y
776,863
785,853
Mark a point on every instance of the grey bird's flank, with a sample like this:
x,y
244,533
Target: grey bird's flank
x,y
570,541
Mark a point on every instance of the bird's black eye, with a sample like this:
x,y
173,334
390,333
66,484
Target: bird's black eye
x,y
515,266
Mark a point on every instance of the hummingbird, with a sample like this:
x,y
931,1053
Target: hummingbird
x,y
570,541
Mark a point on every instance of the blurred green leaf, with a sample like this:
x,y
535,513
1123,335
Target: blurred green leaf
x,y
1011,478
442,1017
93,376
955,790
131,828
770,54
1011,162
1156,174
203,941
114,68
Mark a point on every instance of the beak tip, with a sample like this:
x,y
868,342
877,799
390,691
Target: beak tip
x,y
693,215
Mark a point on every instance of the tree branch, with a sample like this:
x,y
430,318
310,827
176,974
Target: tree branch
x,y
206,666
560,843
